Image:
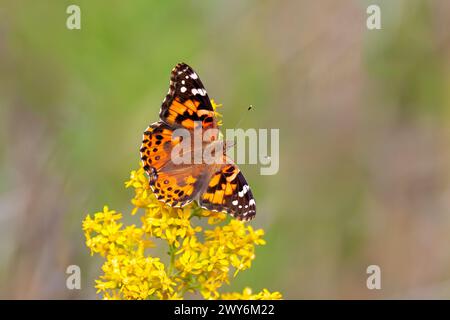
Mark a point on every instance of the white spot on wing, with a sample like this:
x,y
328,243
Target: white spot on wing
x,y
244,190
183,89
200,91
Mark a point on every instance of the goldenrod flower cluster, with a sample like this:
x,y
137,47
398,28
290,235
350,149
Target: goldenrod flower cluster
x,y
205,250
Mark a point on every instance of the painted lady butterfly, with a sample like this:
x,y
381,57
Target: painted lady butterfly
x,y
216,187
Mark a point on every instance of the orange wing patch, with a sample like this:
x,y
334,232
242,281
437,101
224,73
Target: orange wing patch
x,y
175,191
228,191
222,184
156,146
182,113
176,185
187,113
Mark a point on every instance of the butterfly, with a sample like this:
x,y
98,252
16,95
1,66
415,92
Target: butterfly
x,y
217,187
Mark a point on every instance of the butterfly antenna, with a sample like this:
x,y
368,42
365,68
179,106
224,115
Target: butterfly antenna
x,y
231,144
243,116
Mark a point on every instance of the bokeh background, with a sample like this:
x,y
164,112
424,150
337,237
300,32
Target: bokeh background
x,y
363,116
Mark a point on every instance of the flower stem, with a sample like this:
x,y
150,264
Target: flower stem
x,y
172,258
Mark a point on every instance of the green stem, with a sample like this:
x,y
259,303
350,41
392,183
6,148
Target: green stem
x,y
195,212
172,258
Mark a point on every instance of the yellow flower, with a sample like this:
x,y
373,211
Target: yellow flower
x,y
188,263
217,114
201,259
247,294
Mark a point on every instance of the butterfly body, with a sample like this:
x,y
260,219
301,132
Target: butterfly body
x,y
217,185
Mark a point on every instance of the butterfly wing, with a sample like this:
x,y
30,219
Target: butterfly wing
x,y
156,148
187,100
174,184
228,191
177,188
185,105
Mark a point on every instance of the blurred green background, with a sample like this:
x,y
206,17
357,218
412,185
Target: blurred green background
x,y
363,116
